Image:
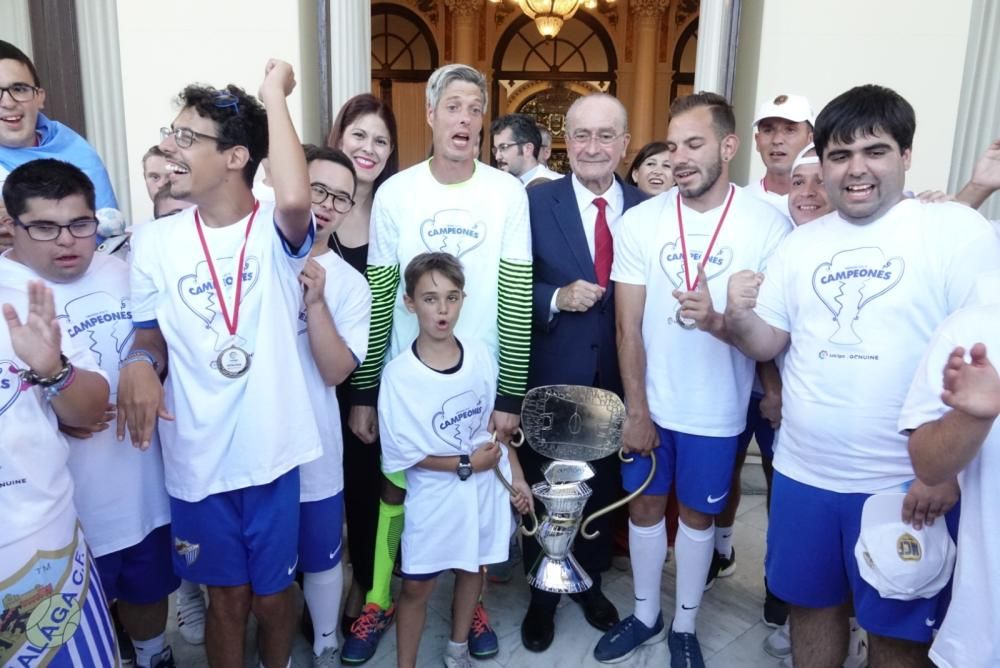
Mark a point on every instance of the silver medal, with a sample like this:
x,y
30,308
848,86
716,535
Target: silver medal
x,y
685,323
233,362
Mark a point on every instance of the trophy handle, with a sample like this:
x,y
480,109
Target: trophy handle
x,y
621,502
496,469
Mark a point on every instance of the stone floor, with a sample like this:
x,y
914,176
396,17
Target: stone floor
x,y
729,626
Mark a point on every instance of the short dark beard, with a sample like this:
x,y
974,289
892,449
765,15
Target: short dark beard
x,y
712,175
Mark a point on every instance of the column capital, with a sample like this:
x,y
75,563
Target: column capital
x,y
648,8
464,8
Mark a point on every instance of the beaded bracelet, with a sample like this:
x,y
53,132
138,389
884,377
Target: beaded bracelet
x,y
52,391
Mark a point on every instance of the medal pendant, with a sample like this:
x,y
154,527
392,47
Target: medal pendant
x,y
685,323
233,362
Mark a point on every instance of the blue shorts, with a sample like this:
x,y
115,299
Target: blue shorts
x,y
321,531
140,574
245,536
420,577
757,427
810,561
701,466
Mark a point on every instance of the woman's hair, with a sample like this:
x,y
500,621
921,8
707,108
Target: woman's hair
x,y
355,108
652,148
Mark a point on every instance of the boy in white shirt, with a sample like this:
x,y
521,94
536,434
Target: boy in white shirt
x,y
52,611
217,286
333,334
434,404
127,523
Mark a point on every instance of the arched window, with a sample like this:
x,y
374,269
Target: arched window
x,y
685,54
404,55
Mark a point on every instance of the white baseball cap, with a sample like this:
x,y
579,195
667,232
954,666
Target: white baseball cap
x,y
789,106
901,562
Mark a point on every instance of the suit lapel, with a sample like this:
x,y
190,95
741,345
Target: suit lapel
x,y
567,217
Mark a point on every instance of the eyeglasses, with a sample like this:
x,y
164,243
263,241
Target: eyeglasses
x,y
223,99
341,202
502,148
604,137
19,92
48,231
184,137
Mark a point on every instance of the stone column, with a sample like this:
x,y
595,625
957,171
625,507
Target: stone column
x,y
647,14
979,103
465,12
15,24
350,49
103,97
716,45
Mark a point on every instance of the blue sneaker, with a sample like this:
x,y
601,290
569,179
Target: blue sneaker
x,y
366,631
685,652
483,642
626,637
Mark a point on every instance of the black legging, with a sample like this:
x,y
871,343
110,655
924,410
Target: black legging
x,y
362,484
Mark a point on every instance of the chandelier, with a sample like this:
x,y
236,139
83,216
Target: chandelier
x,y
549,15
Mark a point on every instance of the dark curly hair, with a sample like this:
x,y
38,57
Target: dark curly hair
x,y
239,123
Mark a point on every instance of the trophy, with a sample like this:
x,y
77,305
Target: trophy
x,y
571,425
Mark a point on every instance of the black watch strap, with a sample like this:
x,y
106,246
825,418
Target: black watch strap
x,y
464,467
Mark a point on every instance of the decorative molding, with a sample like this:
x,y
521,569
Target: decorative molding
x,y
610,13
463,8
648,8
686,9
103,99
429,8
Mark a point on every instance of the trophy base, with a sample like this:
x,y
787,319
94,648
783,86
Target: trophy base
x,y
559,576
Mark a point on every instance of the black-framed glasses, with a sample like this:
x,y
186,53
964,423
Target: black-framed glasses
x,y
223,99
48,231
184,137
502,148
342,203
19,92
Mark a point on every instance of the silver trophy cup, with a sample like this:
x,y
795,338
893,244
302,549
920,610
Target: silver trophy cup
x,y
570,424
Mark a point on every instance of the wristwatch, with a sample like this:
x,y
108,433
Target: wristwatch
x,y
464,467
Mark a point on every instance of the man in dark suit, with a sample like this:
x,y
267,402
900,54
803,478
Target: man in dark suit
x,y
573,222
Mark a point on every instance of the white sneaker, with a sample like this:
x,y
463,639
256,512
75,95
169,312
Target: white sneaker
x,y
463,661
191,618
857,648
330,658
779,643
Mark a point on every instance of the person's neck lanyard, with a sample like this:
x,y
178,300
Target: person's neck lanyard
x,y
233,361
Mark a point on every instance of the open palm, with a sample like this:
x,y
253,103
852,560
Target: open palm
x,y
37,341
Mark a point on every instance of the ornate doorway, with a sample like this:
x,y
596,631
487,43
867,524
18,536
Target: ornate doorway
x,y
541,77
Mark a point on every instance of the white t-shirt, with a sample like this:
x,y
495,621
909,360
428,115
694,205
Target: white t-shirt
x,y
349,301
450,523
95,313
695,383
228,433
968,637
480,221
779,202
539,171
36,489
860,303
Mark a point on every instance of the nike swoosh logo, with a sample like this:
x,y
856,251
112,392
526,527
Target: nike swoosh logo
x,y
716,499
327,635
291,569
332,555
930,622
684,607
638,599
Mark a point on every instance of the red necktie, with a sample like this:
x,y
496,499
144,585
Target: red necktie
x,y
604,252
